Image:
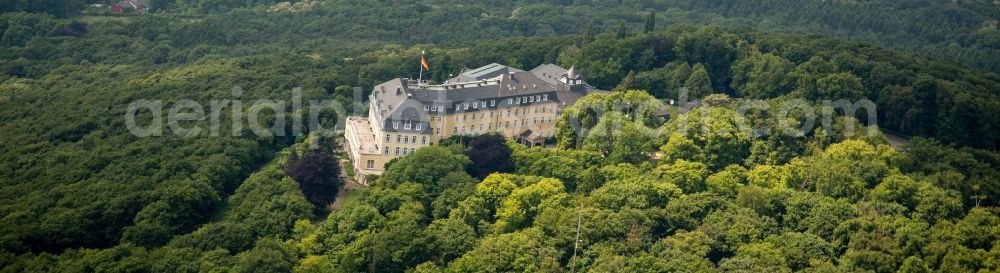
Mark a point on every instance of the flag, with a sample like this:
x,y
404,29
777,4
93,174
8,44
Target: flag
x,y
423,61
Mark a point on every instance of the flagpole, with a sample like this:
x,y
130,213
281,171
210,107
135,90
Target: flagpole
x,y
421,64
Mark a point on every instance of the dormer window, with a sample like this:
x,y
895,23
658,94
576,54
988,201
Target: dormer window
x,y
395,125
531,98
407,126
466,106
420,126
427,107
545,97
493,103
475,105
517,101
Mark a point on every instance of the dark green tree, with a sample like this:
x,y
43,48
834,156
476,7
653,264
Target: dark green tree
x,y
650,22
698,84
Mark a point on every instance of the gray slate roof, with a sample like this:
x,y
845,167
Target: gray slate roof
x,y
549,73
484,72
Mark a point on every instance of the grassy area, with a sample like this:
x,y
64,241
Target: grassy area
x,y
349,170
672,110
90,19
351,196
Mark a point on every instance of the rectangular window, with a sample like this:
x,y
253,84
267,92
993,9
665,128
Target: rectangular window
x,y
420,127
475,105
371,164
395,125
545,97
385,151
466,106
398,137
408,125
531,99
406,139
454,130
517,101
397,150
423,140
538,97
493,102
483,104
388,137
510,101
413,140
427,107
438,130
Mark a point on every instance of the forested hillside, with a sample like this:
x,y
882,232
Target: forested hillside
x,y
80,193
961,31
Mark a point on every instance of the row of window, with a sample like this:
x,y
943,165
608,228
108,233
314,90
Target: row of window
x,y
399,151
406,139
482,104
507,124
516,112
527,99
407,126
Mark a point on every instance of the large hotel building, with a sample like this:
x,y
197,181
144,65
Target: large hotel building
x,y
405,114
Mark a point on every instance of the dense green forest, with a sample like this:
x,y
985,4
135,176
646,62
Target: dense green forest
x,y
80,193
961,31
